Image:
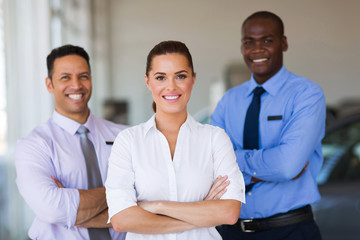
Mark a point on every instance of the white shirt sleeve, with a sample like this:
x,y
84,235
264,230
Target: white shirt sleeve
x,y
225,164
120,191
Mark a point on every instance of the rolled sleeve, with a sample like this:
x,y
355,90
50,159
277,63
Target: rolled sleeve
x,y
120,191
225,164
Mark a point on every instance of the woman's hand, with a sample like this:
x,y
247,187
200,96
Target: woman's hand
x,y
218,188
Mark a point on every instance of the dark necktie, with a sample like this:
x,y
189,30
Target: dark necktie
x,y
94,178
251,126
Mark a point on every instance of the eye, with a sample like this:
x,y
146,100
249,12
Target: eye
x,y
268,41
181,76
64,78
84,77
248,43
160,78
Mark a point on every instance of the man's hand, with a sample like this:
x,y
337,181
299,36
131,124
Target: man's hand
x,y
254,179
92,210
57,182
99,221
218,188
302,171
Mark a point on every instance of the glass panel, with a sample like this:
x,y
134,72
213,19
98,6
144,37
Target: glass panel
x,y
341,150
3,114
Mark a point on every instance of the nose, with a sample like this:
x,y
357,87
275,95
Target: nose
x,y
258,47
171,84
76,83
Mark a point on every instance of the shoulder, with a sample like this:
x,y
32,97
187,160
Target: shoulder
x,y
300,84
132,132
212,132
233,95
43,131
39,139
237,91
108,127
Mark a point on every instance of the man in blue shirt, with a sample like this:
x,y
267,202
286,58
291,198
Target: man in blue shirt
x,y
281,166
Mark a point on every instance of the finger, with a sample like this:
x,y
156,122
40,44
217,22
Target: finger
x,y
216,187
220,194
306,165
222,190
219,181
219,191
58,183
223,186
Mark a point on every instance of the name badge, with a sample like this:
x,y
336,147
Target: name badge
x,y
272,118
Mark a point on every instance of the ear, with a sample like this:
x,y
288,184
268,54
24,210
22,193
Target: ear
x,y
147,81
285,45
49,85
194,78
242,49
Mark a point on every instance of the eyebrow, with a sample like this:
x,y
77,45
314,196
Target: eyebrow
x,y
250,38
66,73
182,71
162,73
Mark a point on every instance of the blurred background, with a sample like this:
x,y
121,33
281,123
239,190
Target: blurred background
x,y
324,46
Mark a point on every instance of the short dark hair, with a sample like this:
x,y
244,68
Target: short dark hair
x,y
269,15
168,47
63,51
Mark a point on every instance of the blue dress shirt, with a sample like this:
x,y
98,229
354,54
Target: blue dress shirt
x,y
291,127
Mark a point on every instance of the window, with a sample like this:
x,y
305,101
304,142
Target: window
x,y
341,150
3,115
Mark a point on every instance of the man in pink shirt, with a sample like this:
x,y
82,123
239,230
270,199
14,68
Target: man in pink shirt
x,y
50,164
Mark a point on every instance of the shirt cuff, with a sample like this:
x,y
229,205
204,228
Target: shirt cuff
x,y
73,205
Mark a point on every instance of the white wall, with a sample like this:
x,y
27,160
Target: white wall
x,y
323,40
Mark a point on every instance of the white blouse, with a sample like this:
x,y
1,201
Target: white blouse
x,y
141,169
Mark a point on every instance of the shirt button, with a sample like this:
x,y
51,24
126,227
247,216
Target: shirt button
x,y
254,173
249,193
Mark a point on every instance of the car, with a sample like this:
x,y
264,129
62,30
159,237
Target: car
x,y
338,211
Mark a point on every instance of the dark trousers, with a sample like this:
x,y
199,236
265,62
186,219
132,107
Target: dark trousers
x,y
302,231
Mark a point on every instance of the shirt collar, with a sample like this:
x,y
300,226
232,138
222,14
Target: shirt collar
x,y
70,125
190,123
272,85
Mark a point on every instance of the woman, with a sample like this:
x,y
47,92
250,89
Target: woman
x,y
161,171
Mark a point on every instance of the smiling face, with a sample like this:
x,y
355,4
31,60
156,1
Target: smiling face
x,y
262,47
71,86
170,80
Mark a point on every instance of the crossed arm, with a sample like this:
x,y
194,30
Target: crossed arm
x,y
289,157
160,217
92,211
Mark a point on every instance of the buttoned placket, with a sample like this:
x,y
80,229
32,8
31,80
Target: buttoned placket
x,y
170,169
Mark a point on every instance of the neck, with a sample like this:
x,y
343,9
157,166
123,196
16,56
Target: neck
x,y
77,117
169,122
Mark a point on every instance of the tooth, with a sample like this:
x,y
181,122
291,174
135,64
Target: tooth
x,y
75,96
171,97
259,60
